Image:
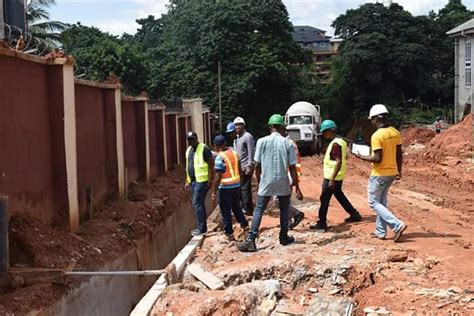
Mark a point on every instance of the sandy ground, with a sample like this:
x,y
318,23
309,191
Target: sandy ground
x,y
430,272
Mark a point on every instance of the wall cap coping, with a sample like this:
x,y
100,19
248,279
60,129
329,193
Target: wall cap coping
x,y
134,99
191,100
172,112
154,107
184,114
36,59
97,84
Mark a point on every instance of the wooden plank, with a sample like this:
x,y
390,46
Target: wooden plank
x,y
209,279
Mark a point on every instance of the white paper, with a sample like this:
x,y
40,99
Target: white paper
x,y
362,150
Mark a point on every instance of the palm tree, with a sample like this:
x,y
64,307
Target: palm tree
x,y
48,33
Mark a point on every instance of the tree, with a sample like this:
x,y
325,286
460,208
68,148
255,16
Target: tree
x,y
100,54
37,17
383,59
263,70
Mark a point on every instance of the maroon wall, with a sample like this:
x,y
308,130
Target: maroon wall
x,y
157,158
182,137
171,140
130,146
96,141
29,94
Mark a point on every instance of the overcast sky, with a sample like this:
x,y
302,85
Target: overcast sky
x,y
118,16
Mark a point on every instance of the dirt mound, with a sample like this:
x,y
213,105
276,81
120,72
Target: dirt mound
x,y
420,135
454,142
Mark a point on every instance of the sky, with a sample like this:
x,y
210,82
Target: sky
x,y
118,16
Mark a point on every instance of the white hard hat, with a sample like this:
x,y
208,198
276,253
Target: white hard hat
x,y
239,120
377,109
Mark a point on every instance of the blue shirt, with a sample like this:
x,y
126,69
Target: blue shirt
x,y
220,166
275,154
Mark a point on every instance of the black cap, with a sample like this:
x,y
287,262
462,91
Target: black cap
x,y
192,135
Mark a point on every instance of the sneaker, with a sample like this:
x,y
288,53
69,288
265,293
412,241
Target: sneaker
x,y
319,226
296,220
399,233
286,240
374,235
354,218
247,246
197,232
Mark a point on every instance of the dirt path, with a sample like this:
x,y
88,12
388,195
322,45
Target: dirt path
x,y
430,271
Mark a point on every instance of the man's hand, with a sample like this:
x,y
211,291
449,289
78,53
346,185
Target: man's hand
x,y
248,170
299,194
187,187
214,197
332,185
398,176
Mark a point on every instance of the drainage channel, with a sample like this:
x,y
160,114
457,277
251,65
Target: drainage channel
x,y
108,293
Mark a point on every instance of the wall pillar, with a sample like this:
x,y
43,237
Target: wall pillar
x,y
165,137
119,144
194,108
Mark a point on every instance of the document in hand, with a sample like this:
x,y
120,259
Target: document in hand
x,y
360,150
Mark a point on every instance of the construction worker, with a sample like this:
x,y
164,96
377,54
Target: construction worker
x,y
387,160
295,214
245,146
231,134
227,180
334,168
437,125
199,166
273,157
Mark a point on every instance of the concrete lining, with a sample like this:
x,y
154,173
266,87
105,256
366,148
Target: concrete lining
x,y
117,295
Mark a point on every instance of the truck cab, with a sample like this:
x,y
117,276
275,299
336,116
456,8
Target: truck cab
x,y
303,120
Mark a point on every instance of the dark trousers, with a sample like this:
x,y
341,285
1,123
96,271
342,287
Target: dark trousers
x,y
326,196
229,200
246,189
199,190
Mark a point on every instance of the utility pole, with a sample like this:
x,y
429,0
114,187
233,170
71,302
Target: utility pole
x,y
220,96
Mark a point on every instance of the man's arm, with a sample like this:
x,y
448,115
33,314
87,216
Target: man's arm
x,y
296,184
258,171
399,161
375,157
210,163
215,184
251,151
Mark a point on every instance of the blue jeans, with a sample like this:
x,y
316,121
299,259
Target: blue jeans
x,y
377,193
262,202
229,200
199,190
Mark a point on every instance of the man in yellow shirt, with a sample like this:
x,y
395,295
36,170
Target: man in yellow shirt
x,y
387,160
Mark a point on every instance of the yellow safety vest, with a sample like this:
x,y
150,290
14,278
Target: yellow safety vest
x,y
201,167
231,174
330,165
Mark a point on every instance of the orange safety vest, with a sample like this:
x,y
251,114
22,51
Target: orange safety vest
x,y
231,175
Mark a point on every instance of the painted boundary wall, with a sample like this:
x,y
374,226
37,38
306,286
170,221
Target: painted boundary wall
x,y
67,145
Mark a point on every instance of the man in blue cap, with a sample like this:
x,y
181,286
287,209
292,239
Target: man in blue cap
x,y
227,181
334,173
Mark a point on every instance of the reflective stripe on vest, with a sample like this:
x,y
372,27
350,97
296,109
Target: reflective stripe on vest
x,y
201,167
231,174
330,165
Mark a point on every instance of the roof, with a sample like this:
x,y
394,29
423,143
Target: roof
x,y
308,34
465,28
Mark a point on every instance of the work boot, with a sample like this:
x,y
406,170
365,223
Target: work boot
x,y
247,246
286,239
354,218
296,220
319,226
230,237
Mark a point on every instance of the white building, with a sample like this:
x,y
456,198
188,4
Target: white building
x,y
463,79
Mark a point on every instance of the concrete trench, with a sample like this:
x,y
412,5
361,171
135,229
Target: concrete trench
x,y
117,295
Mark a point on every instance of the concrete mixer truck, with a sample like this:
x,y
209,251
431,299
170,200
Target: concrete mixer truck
x,y
302,123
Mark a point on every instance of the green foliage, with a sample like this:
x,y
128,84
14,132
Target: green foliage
x,y
100,54
37,17
389,56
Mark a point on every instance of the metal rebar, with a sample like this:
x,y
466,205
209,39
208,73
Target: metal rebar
x,y
4,262
116,273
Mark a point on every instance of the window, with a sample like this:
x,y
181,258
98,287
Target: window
x,y
301,119
468,65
